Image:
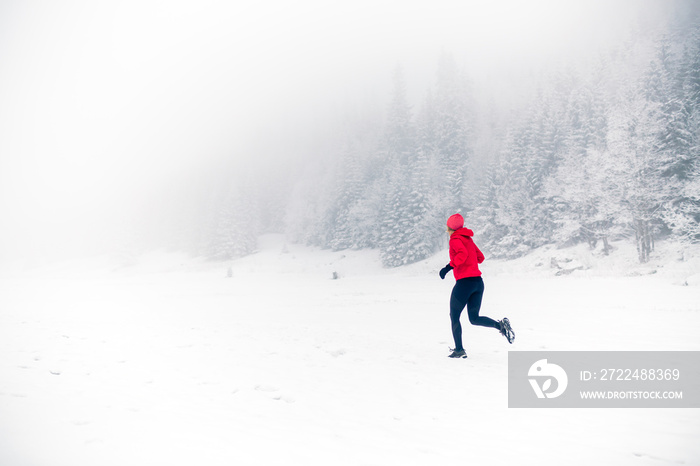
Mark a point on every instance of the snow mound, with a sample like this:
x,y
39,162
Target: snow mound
x,y
693,280
673,262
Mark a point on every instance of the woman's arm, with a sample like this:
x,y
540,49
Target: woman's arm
x,y
479,254
458,253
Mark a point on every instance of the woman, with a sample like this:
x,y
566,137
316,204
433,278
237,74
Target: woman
x,y
465,258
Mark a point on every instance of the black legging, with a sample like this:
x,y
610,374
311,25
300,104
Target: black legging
x,y
467,291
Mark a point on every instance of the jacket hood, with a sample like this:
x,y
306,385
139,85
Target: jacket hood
x,y
463,232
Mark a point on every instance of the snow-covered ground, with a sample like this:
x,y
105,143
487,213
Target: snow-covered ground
x,y
169,361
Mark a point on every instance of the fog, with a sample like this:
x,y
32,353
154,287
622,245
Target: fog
x,y
115,116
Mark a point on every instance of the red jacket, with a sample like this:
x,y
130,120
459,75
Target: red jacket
x,y
465,257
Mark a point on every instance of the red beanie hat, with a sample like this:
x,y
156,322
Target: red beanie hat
x,y
455,222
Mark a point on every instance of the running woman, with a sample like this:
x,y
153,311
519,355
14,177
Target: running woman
x,y
465,258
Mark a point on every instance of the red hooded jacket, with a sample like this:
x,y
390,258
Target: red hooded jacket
x,y
465,257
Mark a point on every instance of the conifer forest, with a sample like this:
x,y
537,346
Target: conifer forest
x,y
591,152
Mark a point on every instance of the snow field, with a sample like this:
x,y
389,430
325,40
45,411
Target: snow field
x,y
170,362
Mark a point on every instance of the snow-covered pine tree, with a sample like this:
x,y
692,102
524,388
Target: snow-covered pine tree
x,y
334,205
664,87
579,185
424,232
451,132
349,190
399,150
512,202
633,141
545,153
362,216
588,207
236,225
246,222
221,239
306,220
484,214
683,214
523,212
684,217
394,222
364,219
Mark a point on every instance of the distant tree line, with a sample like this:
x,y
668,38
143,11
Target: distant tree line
x,y
600,153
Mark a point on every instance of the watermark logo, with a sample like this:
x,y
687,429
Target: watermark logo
x,y
542,370
603,379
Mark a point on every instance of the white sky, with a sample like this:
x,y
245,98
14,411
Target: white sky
x,y
104,105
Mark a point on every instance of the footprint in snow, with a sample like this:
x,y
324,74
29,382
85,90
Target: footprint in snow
x,y
265,388
337,353
272,393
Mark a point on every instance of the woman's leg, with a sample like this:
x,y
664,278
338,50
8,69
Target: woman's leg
x,y
457,302
474,305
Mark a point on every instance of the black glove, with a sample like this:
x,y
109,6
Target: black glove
x,y
444,271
